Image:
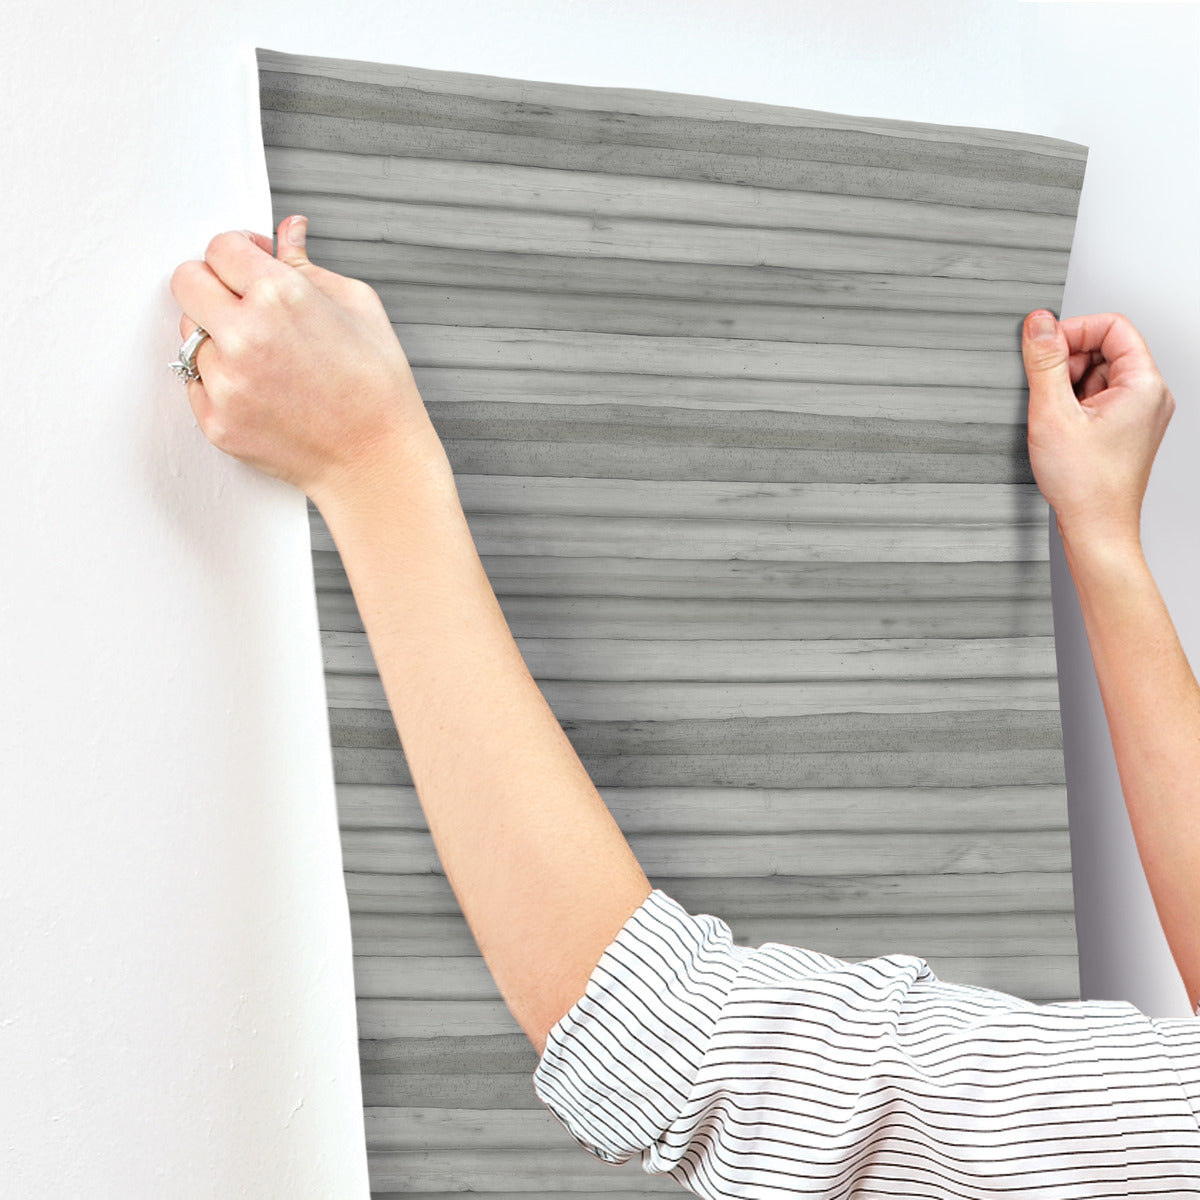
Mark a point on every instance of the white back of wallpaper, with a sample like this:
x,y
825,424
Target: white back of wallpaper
x,y
176,997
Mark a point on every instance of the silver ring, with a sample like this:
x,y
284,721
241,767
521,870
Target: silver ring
x,y
185,365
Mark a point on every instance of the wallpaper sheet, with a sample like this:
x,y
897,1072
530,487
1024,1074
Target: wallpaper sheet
x,y
734,398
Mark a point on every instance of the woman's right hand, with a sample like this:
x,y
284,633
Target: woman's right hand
x,y
1098,409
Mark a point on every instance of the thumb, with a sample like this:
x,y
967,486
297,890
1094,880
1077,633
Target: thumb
x,y
1047,358
293,251
292,231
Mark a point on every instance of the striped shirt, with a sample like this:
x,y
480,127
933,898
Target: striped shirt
x,y
776,1071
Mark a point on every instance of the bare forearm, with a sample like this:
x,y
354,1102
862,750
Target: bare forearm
x,y
542,872
1152,702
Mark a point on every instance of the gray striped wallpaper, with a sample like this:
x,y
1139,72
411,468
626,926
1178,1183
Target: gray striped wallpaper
x,y
734,397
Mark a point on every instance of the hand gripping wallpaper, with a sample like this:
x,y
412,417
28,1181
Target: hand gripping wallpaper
x,y
734,398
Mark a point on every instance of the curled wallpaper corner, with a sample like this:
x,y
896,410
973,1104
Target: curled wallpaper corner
x,y
734,398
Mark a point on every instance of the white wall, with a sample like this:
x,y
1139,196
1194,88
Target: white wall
x,y
176,1000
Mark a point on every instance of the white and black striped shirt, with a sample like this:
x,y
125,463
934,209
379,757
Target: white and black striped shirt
x,y
778,1071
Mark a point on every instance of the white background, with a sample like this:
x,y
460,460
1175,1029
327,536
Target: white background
x,y
176,998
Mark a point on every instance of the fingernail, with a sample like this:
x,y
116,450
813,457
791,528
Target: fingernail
x,y
1041,324
296,228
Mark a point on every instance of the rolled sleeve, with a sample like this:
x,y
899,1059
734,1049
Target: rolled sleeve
x,y
620,1065
780,1070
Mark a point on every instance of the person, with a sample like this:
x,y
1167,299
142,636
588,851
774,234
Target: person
x,y
737,1071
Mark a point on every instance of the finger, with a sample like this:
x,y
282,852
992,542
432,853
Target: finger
x,y
292,233
186,328
1044,350
1111,335
237,259
293,250
1079,363
202,295
262,240
1096,380
198,397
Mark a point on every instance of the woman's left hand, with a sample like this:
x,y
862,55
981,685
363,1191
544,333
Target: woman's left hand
x,y
302,375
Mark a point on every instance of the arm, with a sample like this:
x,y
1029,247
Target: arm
x,y
541,870
1152,702
1098,410
303,378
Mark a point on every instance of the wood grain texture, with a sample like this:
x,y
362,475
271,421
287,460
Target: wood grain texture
x,y
401,261
297,171
734,399
670,241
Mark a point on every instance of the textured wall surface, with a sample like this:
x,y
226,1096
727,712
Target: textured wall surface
x,y
734,399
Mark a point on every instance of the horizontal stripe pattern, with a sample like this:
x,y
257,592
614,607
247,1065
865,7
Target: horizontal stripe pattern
x,y
776,1070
